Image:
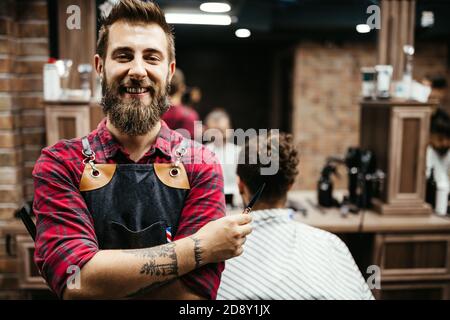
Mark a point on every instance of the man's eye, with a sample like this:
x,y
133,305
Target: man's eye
x,y
122,57
153,58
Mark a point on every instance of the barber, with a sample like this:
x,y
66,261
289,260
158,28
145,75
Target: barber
x,y
134,206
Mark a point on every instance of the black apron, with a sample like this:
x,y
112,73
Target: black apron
x,y
134,205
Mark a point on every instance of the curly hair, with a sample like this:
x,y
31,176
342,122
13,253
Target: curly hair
x,y
277,148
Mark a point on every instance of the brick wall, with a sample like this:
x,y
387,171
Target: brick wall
x,y
23,51
326,94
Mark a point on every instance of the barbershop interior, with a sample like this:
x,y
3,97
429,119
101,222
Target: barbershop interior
x,y
358,91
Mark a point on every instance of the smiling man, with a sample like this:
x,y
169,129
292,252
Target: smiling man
x,y
134,208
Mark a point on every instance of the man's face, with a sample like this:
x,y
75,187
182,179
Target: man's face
x,y
440,143
136,74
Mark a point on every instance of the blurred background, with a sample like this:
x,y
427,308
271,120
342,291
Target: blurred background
x,y
307,67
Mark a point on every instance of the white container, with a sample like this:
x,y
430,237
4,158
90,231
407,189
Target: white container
x,y
441,198
52,82
384,74
407,83
368,83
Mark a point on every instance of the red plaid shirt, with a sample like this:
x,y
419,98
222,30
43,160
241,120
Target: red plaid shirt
x,y
181,117
65,229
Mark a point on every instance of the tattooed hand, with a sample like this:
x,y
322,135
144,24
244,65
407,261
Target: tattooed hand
x,y
221,239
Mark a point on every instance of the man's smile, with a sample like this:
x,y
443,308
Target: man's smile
x,y
135,92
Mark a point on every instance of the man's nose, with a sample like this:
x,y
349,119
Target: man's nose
x,y
137,70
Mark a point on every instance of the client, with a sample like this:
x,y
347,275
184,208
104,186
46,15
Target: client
x,y
285,259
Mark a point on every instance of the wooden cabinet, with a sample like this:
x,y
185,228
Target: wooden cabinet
x,y
22,280
413,266
432,290
397,133
70,119
29,276
413,256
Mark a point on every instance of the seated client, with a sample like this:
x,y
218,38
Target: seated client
x,y
285,259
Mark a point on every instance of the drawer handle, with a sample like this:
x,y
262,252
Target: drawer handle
x,y
8,240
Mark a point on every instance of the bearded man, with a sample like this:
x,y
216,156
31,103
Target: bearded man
x,y
133,209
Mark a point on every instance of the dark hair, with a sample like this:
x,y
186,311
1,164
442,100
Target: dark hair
x,y
177,82
134,11
438,82
249,167
440,123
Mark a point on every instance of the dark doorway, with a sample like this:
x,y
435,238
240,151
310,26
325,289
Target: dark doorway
x,y
238,78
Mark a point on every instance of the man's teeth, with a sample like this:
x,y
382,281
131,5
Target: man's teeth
x,y
136,90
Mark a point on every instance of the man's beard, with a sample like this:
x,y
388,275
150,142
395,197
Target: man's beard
x,y
133,117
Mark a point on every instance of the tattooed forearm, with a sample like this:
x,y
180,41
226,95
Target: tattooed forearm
x,y
163,251
197,252
148,289
153,269
160,262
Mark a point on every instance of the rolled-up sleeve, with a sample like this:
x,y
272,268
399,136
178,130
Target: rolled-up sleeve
x,y
205,202
65,238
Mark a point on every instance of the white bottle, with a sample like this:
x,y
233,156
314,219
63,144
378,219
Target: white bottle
x,y
441,198
52,82
407,83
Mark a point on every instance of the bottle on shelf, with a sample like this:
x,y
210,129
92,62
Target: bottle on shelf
x,y
52,81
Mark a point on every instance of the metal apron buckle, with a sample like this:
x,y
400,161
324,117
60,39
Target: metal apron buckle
x,y
90,158
179,153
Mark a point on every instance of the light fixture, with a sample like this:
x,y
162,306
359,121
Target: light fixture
x,y
243,33
363,28
198,18
215,7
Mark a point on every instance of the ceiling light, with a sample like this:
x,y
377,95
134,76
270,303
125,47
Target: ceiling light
x,y
198,18
363,28
243,33
215,7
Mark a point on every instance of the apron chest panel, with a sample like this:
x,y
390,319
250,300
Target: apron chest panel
x,y
131,205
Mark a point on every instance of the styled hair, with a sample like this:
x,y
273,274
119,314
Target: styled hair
x,y
249,165
138,12
440,123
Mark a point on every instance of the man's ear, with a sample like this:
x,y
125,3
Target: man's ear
x,y
98,62
290,186
172,68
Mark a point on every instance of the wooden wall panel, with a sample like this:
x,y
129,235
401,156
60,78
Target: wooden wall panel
x,y
77,45
408,175
397,30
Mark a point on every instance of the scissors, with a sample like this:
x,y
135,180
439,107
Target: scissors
x,y
254,199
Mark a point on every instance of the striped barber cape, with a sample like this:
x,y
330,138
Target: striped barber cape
x,y
287,260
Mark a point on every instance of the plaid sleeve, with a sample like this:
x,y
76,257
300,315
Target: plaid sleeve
x,y
205,203
65,231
